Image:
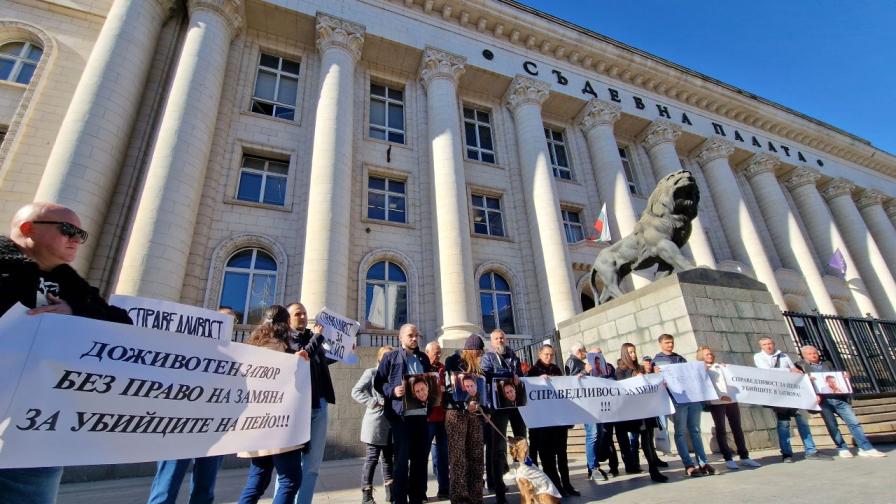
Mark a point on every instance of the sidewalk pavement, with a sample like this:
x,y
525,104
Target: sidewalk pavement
x,y
858,479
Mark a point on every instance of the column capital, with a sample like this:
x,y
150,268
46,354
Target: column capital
x,y
599,113
231,10
758,164
870,197
524,90
711,149
836,188
658,132
800,176
337,32
439,64
165,6
890,208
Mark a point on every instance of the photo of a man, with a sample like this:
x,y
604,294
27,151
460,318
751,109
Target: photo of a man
x,y
831,383
424,393
468,386
508,395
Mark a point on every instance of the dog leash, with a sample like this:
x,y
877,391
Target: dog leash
x,y
489,421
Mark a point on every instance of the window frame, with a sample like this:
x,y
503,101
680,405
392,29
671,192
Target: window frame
x,y
252,272
265,174
279,73
474,193
493,292
567,224
388,195
20,59
477,123
628,169
386,101
552,143
389,316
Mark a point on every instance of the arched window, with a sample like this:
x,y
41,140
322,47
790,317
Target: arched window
x,y
496,303
250,282
18,60
386,296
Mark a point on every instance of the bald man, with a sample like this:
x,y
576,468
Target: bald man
x,y
34,270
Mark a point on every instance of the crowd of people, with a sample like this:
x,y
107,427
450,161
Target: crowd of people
x,y
463,433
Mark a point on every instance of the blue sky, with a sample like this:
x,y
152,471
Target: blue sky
x,y
831,60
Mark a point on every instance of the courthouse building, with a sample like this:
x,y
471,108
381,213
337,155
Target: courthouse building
x,y
432,161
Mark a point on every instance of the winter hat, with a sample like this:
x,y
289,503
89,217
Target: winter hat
x,y
474,342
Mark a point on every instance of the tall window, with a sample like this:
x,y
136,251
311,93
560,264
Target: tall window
x,y
276,87
386,199
386,113
18,60
386,296
572,225
557,148
263,180
496,302
487,217
250,282
478,134
629,170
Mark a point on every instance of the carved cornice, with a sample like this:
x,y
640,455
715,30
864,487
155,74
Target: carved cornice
x,y
890,208
801,176
439,64
758,164
599,113
870,197
232,11
837,188
524,90
334,32
658,132
711,149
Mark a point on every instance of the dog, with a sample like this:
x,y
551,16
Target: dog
x,y
535,486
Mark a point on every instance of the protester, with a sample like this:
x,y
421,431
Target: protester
x,y
438,437
551,441
836,404
310,345
724,407
374,432
34,270
500,362
770,358
686,417
273,334
627,367
463,421
409,433
577,365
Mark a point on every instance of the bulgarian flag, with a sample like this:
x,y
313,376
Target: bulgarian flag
x,y
602,226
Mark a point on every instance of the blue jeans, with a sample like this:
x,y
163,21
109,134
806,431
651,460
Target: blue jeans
x,y
439,451
315,455
686,419
170,474
34,484
591,444
802,426
831,406
289,477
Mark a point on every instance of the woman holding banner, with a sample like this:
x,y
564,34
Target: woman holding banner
x,y
628,367
273,334
725,407
375,432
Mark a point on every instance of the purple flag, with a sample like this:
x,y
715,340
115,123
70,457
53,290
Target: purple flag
x,y
838,263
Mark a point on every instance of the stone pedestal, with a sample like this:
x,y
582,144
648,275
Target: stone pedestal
x,y
727,311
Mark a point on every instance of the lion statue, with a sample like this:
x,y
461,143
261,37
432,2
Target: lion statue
x,y
659,234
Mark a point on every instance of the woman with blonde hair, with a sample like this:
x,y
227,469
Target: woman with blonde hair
x,y
273,334
375,432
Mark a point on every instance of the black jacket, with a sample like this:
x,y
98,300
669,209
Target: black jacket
x,y
574,366
321,383
20,278
390,374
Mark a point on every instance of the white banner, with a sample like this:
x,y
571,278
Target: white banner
x,y
79,391
688,382
770,387
567,400
175,317
339,335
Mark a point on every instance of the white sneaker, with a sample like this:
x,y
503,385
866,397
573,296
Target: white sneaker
x,y
750,463
730,464
872,453
845,453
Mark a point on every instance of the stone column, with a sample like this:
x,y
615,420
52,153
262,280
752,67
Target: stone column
x,y
325,271
890,208
439,71
871,263
597,122
824,234
744,240
787,238
524,98
86,158
659,140
870,204
156,256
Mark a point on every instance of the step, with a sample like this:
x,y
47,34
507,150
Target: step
x,y
874,402
872,409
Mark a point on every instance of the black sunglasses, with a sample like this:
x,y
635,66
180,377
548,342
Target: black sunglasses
x,y
66,229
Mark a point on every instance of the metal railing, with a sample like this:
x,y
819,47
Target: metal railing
x,y
865,347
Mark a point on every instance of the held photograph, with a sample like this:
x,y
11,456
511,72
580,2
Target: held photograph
x,y
468,385
831,383
598,364
422,392
507,395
